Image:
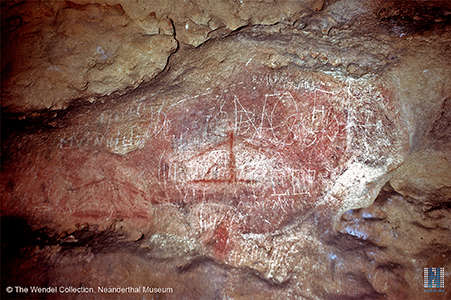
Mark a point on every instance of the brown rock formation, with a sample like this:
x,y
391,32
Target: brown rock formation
x,y
226,149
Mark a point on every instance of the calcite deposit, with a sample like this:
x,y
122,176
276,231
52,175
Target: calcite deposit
x,y
226,149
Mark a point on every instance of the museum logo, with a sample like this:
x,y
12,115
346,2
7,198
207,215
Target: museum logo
x,y
434,280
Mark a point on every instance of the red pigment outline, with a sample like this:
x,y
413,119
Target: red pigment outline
x,y
232,165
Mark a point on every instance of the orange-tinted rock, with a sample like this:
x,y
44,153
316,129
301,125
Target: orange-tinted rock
x,y
265,147
248,168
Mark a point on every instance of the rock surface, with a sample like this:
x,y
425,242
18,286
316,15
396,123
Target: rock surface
x,y
250,161
60,51
379,251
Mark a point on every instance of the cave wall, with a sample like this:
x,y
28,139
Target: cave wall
x,y
300,146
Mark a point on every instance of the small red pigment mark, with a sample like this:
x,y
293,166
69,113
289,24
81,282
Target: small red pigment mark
x,y
98,214
232,163
91,214
221,239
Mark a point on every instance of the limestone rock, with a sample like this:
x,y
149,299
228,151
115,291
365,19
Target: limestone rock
x,y
70,51
400,235
58,51
425,176
228,154
301,153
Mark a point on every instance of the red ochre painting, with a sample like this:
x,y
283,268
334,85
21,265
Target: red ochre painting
x,y
265,148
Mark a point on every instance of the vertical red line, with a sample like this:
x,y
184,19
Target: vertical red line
x,y
232,166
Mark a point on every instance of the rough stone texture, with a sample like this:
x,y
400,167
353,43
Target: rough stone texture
x,y
250,162
425,176
60,51
379,251
261,146
400,232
